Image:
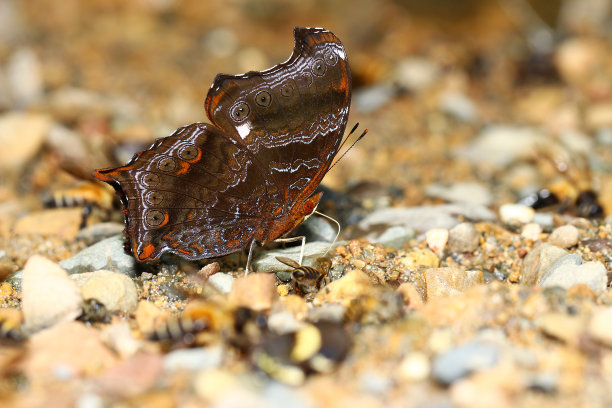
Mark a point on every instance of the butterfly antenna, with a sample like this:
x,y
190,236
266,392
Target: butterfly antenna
x,y
337,233
349,135
347,150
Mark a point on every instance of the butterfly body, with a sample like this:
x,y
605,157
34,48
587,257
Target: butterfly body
x,y
212,189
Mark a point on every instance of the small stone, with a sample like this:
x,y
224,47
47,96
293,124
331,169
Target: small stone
x,y
256,291
294,304
222,282
118,337
209,270
317,229
461,361
21,137
450,281
193,359
411,296
531,231
61,222
370,98
414,367
593,274
115,290
463,238
516,214
49,296
395,237
565,236
599,327
419,258
352,285
149,316
537,263
545,220
329,312
69,344
108,254
284,322
436,239
562,326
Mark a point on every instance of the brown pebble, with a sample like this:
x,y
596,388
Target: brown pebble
x,y
256,291
208,270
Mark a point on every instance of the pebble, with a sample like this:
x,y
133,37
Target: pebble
x,y
565,236
203,358
419,258
426,217
593,274
410,295
469,193
32,129
416,73
545,220
256,291
148,316
115,290
599,327
49,296
69,344
463,238
414,367
284,322
61,222
464,360
118,336
333,312
436,239
131,376
531,231
209,270
97,232
317,228
459,106
537,262
450,281
222,282
312,250
107,254
368,99
24,76
349,287
516,213
395,237
498,146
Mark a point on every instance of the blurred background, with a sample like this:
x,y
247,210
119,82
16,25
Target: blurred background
x,y
477,101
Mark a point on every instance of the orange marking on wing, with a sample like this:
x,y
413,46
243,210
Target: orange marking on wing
x,y
165,221
145,253
184,168
198,157
198,248
184,252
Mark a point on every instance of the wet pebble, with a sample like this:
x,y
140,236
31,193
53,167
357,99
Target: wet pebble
x,y
49,296
537,263
32,129
599,327
516,213
115,290
566,275
463,237
461,361
565,236
222,282
473,193
256,291
203,358
107,254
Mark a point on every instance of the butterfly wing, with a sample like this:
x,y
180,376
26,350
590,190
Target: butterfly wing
x,y
196,193
292,116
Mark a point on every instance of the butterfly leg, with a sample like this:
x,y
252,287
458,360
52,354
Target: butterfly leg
x,y
293,239
249,258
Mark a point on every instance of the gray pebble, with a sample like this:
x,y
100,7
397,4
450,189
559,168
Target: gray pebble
x,y
545,220
463,237
373,97
395,237
461,361
317,228
593,274
107,254
565,236
222,282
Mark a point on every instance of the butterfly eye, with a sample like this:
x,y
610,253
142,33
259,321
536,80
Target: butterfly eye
x,y
319,67
240,111
286,91
331,58
167,164
150,179
189,153
263,99
155,218
154,198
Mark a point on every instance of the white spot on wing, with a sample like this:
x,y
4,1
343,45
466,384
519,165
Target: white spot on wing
x,y
244,130
340,53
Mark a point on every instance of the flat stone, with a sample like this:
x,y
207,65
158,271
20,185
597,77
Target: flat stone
x,y
593,274
537,263
395,237
461,361
561,326
49,296
108,254
312,250
115,290
516,214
